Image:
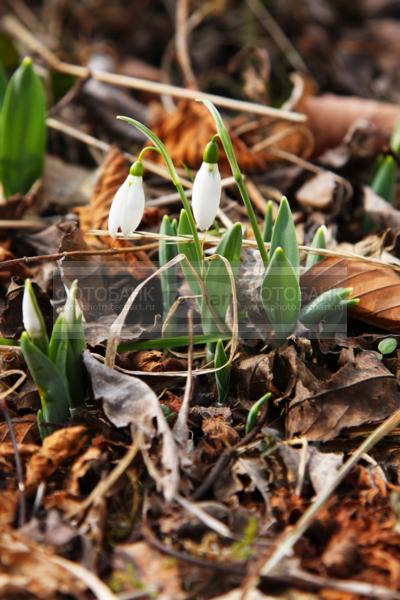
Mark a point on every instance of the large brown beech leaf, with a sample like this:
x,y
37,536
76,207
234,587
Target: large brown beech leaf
x,y
378,288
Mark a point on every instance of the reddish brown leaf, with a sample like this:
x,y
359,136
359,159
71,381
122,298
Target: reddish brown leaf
x,y
378,288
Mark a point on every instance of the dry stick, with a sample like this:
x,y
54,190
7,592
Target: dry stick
x,y
96,586
286,546
181,43
17,457
14,28
21,224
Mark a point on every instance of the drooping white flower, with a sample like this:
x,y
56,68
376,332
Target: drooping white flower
x,y
206,193
128,204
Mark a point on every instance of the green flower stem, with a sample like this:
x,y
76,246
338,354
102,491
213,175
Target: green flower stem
x,y
173,174
230,154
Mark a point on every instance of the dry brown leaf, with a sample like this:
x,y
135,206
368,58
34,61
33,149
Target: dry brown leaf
x,y
378,288
57,447
27,570
330,116
186,131
361,391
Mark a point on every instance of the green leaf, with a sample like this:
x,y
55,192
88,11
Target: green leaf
x,y
52,385
395,138
280,294
230,246
74,363
387,346
58,335
219,291
284,235
268,222
222,376
3,84
384,181
172,342
22,131
319,241
167,251
255,411
189,250
322,305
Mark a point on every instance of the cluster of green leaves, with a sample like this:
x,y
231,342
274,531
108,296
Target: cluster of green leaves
x,y
56,364
280,289
22,129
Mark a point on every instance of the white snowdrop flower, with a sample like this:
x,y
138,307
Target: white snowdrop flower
x,y
128,204
206,193
32,316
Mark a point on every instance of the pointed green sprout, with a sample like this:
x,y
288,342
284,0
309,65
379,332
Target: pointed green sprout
x,y
395,138
268,222
22,131
56,366
217,281
284,235
223,375
327,302
230,154
319,241
280,294
255,411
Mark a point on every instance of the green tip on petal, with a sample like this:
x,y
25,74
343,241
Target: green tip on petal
x,y
211,152
27,61
136,169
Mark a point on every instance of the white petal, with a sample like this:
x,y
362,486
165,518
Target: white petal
x,y
30,318
133,208
206,195
115,217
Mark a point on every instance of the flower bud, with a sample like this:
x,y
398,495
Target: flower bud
x,y
206,193
127,207
32,317
72,310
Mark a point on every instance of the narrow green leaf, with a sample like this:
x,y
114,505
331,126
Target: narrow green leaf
x,y
58,335
166,252
230,246
74,363
322,305
222,377
22,131
52,385
3,84
172,342
319,241
384,181
268,222
255,411
284,235
280,294
218,289
395,138
189,250
387,346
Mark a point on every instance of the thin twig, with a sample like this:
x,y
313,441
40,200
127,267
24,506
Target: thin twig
x,y
181,429
14,28
181,43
